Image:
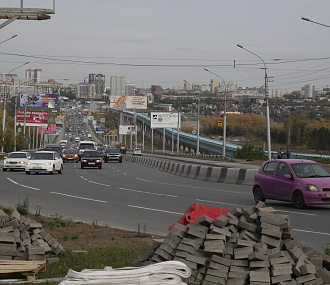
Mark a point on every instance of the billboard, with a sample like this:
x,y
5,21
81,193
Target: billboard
x,y
126,130
32,118
50,129
164,120
132,102
38,100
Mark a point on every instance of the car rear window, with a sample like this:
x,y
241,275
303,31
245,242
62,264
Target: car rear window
x,y
269,167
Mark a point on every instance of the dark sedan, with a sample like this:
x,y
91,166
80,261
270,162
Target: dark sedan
x,y
91,158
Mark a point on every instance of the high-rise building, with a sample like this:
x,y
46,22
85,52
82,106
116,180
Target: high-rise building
x,y
85,90
99,81
156,89
129,89
214,85
33,75
117,85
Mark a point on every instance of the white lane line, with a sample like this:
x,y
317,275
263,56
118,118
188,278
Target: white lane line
x,y
124,174
179,185
318,233
156,210
25,186
226,191
144,180
150,193
237,205
77,197
98,183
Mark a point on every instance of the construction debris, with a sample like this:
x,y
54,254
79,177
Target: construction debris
x,y
165,273
22,238
252,245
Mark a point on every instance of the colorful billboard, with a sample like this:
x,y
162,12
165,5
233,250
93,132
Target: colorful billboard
x,y
132,102
164,120
32,118
37,100
50,129
126,130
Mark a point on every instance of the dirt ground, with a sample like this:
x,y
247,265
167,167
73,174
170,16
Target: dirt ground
x,y
81,236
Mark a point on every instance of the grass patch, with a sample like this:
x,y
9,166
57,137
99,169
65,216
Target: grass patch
x,y
96,258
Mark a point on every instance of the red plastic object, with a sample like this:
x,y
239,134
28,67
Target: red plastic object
x,y
196,210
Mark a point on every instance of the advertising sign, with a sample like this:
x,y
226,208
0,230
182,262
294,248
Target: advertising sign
x,y
164,120
32,118
110,133
132,102
126,130
51,129
37,100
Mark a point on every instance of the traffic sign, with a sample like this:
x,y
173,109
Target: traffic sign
x,y
194,132
220,123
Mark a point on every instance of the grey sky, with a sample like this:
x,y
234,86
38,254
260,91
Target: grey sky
x,y
178,38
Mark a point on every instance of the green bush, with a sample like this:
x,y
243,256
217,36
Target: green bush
x,y
250,152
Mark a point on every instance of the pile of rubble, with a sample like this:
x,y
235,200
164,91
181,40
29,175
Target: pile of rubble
x,y
22,238
252,245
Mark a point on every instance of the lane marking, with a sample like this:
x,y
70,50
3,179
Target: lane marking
x,y
150,193
156,210
226,191
145,180
25,186
77,197
318,233
186,186
94,182
237,205
124,174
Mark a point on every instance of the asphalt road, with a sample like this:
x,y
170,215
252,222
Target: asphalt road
x,y
125,195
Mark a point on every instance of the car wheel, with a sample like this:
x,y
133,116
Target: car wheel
x,y
120,161
27,172
61,170
100,167
11,169
52,172
77,161
4,169
82,167
298,200
63,161
258,195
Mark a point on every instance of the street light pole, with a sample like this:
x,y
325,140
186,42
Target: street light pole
x,y
267,103
4,109
224,114
308,20
198,122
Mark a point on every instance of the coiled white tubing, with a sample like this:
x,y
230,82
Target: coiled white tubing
x,y
163,273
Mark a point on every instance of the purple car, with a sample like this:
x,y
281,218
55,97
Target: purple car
x,y
303,182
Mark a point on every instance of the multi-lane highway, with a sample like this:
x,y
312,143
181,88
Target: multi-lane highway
x,y
126,195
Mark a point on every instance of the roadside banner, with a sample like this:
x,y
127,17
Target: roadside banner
x,y
51,130
32,118
164,120
126,130
132,102
38,100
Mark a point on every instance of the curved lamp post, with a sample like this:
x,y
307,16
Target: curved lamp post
x,y
224,114
308,20
267,103
4,110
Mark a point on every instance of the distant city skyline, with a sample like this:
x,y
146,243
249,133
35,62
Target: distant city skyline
x,y
166,42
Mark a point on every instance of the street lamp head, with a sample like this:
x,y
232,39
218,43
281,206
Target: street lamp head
x,y
305,19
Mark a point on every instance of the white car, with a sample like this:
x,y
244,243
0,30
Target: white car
x,y
15,160
137,151
45,161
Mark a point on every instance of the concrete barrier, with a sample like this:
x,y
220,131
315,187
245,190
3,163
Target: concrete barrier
x,y
230,175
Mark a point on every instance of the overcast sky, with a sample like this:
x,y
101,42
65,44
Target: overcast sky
x,y
166,42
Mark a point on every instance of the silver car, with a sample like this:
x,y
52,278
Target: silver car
x,y
45,161
15,160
